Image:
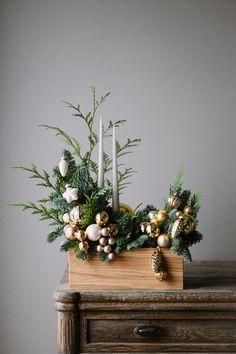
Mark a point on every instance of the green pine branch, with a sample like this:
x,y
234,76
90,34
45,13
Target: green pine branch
x,y
176,187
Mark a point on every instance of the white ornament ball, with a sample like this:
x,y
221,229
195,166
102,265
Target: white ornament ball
x,y
111,241
99,248
111,256
163,241
105,232
107,249
63,166
69,232
93,232
103,241
66,218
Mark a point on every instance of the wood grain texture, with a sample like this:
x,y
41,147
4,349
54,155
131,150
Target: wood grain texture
x,y
131,270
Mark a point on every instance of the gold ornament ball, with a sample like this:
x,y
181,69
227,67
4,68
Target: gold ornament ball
x,y
84,246
188,209
189,224
163,240
161,275
113,229
102,218
161,216
80,235
174,201
178,214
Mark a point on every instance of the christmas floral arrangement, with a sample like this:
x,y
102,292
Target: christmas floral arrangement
x,y
78,204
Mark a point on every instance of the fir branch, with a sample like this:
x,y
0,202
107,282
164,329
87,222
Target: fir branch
x,y
185,198
45,213
111,124
196,202
52,236
127,147
175,188
72,142
193,238
139,242
68,245
35,174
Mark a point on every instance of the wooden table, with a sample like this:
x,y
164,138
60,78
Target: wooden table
x,y
200,318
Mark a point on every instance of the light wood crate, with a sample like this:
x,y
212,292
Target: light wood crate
x,y
131,270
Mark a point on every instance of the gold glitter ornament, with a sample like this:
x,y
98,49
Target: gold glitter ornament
x,y
102,218
189,224
152,230
80,235
188,209
113,229
174,201
164,241
161,216
156,264
178,213
84,246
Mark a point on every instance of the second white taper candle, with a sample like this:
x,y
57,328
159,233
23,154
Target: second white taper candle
x,y
115,187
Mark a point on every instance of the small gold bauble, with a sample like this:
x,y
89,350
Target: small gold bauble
x,y
161,216
189,224
80,235
143,226
102,218
174,201
113,229
161,275
188,209
178,214
163,240
84,246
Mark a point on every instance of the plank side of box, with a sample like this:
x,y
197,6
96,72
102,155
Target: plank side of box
x,y
131,270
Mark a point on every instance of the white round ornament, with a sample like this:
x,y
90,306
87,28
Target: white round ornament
x,y
107,249
93,232
66,218
69,232
63,166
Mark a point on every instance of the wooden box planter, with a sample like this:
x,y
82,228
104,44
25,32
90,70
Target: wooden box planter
x,y
131,270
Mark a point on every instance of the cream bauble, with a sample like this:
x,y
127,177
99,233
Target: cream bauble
x,y
69,232
163,240
93,232
66,218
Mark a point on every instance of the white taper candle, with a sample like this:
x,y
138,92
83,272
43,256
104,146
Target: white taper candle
x,y
100,156
115,187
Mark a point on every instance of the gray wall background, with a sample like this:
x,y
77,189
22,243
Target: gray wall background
x,y
171,67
